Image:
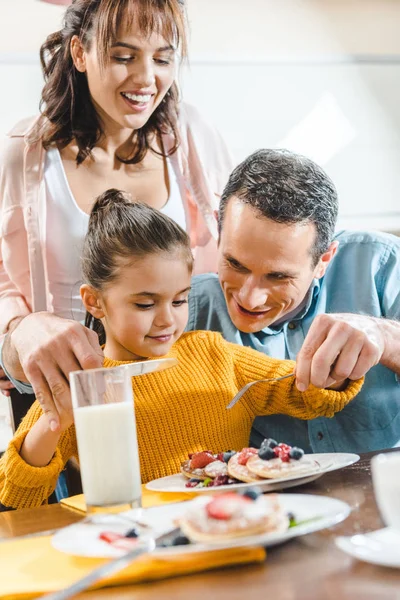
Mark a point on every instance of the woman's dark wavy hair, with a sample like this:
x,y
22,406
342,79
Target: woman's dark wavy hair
x,y
66,103
121,231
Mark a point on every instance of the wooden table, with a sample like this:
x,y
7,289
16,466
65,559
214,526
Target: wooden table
x,y
307,568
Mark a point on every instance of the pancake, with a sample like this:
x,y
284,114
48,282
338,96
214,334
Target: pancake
x,y
192,473
255,517
277,469
241,472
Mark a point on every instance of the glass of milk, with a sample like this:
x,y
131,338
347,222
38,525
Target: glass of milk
x,y
105,427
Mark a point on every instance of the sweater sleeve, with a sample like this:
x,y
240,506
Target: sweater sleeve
x,y
25,486
283,397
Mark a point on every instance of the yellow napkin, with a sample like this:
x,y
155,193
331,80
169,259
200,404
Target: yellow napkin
x,y
149,498
31,567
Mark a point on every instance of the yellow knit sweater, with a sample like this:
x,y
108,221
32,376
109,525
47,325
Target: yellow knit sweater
x,y
182,410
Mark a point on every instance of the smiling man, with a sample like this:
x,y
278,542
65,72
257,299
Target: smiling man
x,y
290,288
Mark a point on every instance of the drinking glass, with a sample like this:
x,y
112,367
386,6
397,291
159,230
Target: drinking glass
x,y
386,480
104,416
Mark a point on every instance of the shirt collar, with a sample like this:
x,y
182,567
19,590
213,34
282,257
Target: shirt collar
x,y
299,313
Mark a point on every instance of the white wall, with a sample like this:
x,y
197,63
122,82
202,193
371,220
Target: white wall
x,y
321,77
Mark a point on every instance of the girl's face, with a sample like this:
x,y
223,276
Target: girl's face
x,y
145,309
134,81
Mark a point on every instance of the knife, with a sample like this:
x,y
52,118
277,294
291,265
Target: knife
x,y
149,366
111,567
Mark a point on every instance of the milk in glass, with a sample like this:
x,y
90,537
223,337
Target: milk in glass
x,y
108,454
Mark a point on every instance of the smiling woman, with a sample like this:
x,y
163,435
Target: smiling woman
x,y
110,117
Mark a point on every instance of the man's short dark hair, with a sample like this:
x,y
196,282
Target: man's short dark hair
x,y
286,188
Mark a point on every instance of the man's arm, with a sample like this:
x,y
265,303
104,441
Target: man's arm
x,y
43,349
341,346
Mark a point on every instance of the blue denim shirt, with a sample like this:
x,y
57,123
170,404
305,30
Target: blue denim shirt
x,y
363,277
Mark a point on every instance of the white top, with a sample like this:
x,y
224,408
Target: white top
x,y
64,226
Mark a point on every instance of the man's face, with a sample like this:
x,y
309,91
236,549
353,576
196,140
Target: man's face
x,y
265,268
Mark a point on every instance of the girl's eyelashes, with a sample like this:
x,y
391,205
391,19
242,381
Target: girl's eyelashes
x,y
175,303
179,302
143,306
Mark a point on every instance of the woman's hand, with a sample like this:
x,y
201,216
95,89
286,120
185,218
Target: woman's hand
x,y
43,349
5,383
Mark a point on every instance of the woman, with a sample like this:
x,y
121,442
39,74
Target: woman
x,y
110,117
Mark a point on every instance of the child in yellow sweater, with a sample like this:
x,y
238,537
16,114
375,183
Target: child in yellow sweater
x,y
137,266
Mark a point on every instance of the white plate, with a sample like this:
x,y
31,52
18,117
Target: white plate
x,y
313,513
381,547
328,462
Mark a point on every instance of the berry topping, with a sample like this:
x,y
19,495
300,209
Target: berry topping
x,y
200,459
269,442
225,506
132,533
296,453
228,455
192,483
284,447
253,493
221,480
220,456
266,453
245,454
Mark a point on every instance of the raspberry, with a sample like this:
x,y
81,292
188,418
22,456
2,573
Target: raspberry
x,y
285,457
245,454
284,447
277,451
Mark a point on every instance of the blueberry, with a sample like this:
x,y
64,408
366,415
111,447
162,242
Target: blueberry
x,y
296,453
194,480
269,443
132,533
266,453
180,540
253,493
228,455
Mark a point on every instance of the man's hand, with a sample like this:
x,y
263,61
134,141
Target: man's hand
x,y
5,383
43,349
339,347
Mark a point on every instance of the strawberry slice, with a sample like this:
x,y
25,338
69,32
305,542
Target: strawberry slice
x,y
201,459
225,506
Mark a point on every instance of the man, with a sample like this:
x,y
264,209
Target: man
x,y
281,273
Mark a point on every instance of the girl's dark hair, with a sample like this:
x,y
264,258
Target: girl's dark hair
x,y
66,102
120,229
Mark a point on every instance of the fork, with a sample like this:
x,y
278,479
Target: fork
x,y
248,385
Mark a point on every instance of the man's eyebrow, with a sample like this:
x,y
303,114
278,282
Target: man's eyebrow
x,y
271,274
154,295
168,48
288,274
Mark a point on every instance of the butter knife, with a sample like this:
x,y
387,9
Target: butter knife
x,y
149,366
111,567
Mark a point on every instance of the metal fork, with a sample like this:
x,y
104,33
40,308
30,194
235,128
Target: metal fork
x,y
248,385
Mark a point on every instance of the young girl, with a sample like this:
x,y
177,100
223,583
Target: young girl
x,y
137,265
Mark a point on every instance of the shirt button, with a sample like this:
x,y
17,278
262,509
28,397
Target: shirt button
x,y
292,325
320,435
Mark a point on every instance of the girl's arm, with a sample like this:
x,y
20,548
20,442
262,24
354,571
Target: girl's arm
x,y
35,457
283,397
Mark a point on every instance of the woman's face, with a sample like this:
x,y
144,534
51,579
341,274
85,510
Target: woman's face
x,y
134,81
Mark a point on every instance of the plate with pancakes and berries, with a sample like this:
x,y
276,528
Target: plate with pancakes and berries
x,y
208,522
273,466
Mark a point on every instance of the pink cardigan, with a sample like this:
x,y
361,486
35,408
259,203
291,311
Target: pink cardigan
x,y
205,164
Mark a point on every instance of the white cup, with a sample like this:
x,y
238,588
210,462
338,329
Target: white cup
x,y
386,480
